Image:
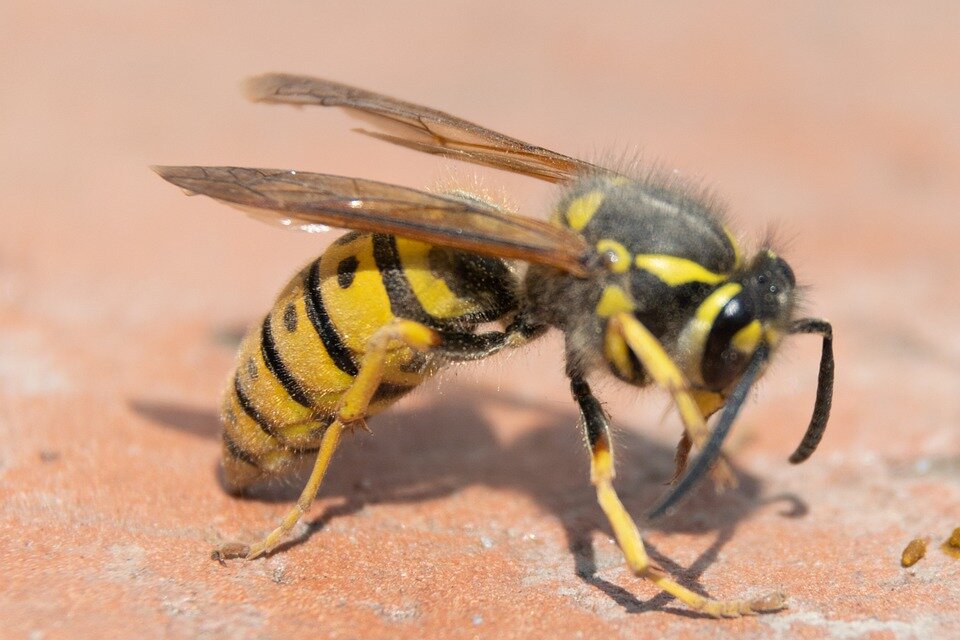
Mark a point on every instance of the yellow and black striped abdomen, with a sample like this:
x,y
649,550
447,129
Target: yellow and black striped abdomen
x,y
293,368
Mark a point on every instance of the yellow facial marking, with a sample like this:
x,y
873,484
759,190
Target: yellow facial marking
x,y
676,271
613,301
693,338
746,339
619,253
710,308
709,402
583,208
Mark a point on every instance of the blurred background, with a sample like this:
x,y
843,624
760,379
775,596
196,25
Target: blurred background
x,y
831,126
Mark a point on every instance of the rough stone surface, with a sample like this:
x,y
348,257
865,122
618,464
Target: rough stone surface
x,y
468,513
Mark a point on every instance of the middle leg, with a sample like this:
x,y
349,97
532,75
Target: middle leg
x,y
625,530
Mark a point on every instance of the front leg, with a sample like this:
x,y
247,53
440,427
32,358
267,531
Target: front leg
x,y
708,403
602,471
625,334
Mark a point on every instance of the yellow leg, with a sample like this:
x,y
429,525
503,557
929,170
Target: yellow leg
x,y
331,438
723,478
681,457
626,332
628,536
351,413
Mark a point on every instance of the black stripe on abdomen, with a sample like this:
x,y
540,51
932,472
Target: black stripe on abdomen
x,y
251,410
237,452
268,348
332,342
403,301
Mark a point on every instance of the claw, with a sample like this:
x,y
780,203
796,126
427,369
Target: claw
x,y
357,424
230,551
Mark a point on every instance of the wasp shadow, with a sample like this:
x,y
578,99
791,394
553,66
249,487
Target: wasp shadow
x,y
426,453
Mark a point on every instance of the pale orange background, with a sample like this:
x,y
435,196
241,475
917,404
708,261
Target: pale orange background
x,y
468,512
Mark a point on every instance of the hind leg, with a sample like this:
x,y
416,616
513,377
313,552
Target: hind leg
x,y
350,414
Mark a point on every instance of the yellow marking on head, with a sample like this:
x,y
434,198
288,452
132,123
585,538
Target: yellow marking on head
x,y
618,181
582,209
708,402
771,254
737,255
710,308
613,300
746,339
621,257
693,338
676,271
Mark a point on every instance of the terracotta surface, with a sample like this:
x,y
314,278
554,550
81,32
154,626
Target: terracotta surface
x,y
468,512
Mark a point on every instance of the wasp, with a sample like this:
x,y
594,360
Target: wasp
x,y
640,274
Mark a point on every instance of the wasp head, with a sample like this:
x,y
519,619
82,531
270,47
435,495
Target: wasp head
x,y
752,309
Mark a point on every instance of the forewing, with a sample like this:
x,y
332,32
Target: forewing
x,y
304,200
422,128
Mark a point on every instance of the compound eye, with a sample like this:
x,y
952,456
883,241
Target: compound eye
x,y
735,314
733,338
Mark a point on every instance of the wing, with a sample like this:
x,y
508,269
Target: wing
x,y
421,128
305,200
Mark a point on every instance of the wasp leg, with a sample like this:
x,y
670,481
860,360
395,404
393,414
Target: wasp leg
x,y
625,530
350,414
465,347
681,458
626,332
709,403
